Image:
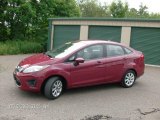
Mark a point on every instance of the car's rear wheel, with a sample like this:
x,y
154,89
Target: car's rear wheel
x,y
128,79
53,88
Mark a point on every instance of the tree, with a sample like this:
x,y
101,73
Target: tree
x,y
154,15
132,13
91,8
17,15
25,19
118,9
140,13
3,30
45,9
143,11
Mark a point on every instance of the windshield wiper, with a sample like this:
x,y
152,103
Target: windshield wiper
x,y
49,56
46,53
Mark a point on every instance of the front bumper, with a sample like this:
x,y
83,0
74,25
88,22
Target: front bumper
x,y
29,82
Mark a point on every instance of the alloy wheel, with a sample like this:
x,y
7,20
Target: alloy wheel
x,y
57,88
129,79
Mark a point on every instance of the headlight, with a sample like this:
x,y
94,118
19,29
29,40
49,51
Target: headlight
x,y
34,68
21,68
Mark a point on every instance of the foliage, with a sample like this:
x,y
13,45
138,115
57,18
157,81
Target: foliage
x,y
27,19
91,8
3,30
20,47
143,10
154,15
132,13
118,9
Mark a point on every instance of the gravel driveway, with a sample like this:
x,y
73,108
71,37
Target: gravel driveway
x,y
105,102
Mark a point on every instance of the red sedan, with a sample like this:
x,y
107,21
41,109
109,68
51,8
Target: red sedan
x,y
77,64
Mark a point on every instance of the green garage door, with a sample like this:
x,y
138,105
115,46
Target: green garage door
x,y
147,40
105,33
65,33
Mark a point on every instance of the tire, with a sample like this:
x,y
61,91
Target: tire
x,y
53,88
128,79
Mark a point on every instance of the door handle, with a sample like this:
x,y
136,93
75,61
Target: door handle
x,y
124,58
99,62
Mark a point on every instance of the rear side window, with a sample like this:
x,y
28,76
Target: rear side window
x,y
127,51
114,50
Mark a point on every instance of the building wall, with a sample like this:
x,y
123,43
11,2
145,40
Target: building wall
x,y
106,28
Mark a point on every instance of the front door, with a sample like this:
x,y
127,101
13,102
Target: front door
x,y
92,71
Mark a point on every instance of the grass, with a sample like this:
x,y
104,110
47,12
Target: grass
x,y
20,47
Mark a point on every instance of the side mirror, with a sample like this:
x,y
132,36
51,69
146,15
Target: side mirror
x,y
78,60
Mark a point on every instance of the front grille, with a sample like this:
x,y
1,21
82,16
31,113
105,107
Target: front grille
x,y
18,83
32,83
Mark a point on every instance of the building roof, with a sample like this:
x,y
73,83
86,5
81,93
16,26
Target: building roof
x,y
104,19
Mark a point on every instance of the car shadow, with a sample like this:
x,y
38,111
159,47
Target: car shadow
x,y
98,88
89,89
30,95
78,91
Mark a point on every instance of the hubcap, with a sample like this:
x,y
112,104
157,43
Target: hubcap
x,y
57,88
129,79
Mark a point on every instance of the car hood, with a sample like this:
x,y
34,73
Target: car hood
x,y
38,59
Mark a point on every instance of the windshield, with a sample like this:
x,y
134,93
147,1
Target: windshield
x,y
64,50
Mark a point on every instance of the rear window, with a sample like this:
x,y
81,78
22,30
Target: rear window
x,y
127,51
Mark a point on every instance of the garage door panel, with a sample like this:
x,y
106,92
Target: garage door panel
x,y
105,33
147,40
65,33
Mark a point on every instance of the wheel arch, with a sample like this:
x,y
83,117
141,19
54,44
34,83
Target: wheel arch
x,y
122,80
64,81
129,70
133,71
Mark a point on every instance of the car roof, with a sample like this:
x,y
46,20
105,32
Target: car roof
x,y
84,43
90,42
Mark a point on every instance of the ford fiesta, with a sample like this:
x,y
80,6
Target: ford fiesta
x,y
78,64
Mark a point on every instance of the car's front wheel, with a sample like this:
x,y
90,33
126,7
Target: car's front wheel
x,y
128,79
53,88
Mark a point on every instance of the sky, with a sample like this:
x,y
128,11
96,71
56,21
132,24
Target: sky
x,y
153,5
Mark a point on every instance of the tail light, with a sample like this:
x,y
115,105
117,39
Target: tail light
x,y
141,60
142,57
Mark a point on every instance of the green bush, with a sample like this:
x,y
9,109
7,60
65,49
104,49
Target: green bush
x,y
20,47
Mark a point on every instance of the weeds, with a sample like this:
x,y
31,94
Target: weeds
x,y
20,47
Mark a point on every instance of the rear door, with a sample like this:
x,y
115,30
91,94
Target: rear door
x,y
115,62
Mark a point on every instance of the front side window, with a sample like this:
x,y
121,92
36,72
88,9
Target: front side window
x,y
114,50
89,53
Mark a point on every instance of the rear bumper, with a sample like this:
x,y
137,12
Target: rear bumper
x,y
140,71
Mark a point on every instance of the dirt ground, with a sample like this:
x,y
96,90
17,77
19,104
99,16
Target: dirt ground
x,y
104,102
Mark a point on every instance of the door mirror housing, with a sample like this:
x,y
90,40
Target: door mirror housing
x,y
78,60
